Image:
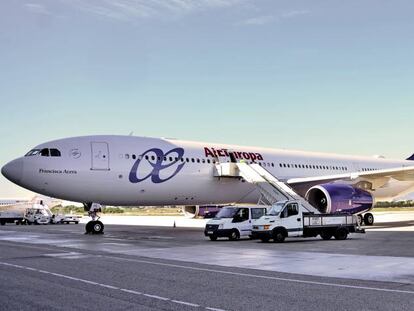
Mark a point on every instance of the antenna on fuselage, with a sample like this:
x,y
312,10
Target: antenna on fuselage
x,y
131,133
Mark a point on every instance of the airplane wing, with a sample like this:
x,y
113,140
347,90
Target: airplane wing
x,y
373,179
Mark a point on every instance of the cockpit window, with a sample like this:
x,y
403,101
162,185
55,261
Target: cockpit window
x,y
44,152
55,153
32,152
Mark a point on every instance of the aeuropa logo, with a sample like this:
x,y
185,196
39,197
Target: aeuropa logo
x,y
157,166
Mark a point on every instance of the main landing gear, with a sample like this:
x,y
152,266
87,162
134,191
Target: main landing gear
x,y
367,219
94,226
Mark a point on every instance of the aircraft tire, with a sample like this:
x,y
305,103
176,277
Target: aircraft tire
x,y
88,227
97,227
368,219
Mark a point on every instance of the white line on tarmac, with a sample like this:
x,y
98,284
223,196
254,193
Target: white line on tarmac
x,y
186,303
266,277
107,286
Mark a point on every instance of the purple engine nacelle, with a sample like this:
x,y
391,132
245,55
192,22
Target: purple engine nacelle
x,y
340,198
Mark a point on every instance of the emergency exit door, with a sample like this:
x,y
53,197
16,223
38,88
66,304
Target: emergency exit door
x,y
100,156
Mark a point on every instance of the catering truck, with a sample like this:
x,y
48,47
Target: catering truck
x,y
291,219
233,222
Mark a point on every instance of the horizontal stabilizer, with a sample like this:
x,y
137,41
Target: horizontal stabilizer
x,y
411,158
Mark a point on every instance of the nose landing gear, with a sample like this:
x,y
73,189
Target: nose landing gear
x,y
94,226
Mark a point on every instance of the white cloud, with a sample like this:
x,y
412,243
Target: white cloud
x,y
37,8
260,20
266,19
133,9
295,13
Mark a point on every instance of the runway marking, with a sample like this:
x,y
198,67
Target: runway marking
x,y
156,297
388,290
129,291
186,303
68,255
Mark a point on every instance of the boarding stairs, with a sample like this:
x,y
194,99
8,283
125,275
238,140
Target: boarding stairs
x,y
272,190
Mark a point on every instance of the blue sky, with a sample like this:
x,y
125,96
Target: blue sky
x,y
333,76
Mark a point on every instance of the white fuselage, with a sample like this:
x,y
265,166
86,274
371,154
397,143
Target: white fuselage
x,y
127,170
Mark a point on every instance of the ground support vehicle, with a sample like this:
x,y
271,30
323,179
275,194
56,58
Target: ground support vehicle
x,y
234,222
290,219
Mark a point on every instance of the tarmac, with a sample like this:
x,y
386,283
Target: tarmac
x,y
137,267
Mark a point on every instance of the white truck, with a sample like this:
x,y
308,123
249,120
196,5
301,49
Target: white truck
x,y
234,222
291,219
65,219
38,214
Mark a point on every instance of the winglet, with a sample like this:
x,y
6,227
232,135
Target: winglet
x,y
411,158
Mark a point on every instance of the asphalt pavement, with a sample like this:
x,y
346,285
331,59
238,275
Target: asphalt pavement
x,y
57,267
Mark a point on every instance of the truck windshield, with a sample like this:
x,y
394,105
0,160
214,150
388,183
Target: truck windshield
x,y
275,209
227,212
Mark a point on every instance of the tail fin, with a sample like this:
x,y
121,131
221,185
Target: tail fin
x,y
411,158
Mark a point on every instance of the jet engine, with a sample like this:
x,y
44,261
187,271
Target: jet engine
x,y
340,198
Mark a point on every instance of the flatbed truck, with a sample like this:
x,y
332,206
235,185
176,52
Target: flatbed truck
x,y
287,219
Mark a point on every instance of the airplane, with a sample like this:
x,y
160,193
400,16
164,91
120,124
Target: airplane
x,y
131,171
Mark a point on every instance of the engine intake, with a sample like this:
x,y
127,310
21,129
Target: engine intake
x,y
337,198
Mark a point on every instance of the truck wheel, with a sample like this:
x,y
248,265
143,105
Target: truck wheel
x,y
279,236
341,234
76,222
2,222
326,235
213,237
368,219
234,235
360,219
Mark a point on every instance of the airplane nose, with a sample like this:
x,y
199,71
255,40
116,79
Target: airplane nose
x,y
13,171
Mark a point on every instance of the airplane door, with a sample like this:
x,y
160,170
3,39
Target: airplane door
x,y
100,156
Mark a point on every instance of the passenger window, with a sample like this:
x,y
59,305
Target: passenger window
x,y
44,152
242,215
258,212
55,153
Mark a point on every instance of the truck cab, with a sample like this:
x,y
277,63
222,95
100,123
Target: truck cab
x,y
234,222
